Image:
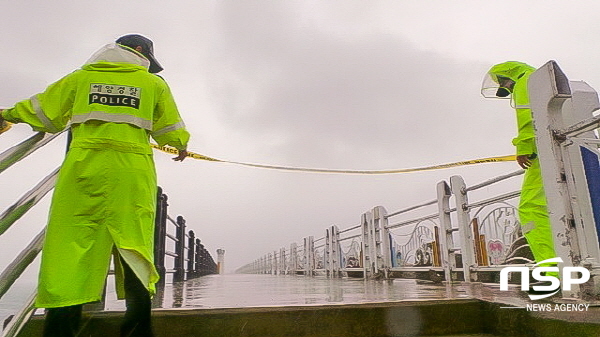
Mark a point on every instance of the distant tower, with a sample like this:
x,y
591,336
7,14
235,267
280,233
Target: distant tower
x,y
221,261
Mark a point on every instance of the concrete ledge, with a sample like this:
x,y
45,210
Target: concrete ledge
x,y
412,318
404,318
523,323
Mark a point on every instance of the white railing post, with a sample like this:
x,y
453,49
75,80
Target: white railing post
x,y
261,265
365,243
382,240
327,253
369,246
559,107
309,256
335,254
293,258
464,225
283,269
446,240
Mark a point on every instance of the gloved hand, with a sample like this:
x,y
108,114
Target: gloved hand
x,y
4,125
181,155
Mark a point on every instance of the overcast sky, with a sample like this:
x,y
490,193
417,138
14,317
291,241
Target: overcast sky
x,y
325,84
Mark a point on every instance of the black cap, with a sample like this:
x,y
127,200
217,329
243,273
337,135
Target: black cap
x,y
134,40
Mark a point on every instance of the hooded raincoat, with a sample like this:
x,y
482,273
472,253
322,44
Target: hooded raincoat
x,y
105,196
533,213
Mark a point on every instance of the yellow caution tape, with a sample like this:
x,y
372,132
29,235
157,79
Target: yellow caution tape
x,y
316,170
5,126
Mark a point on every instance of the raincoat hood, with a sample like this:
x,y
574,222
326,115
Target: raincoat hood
x,y
115,57
500,79
511,69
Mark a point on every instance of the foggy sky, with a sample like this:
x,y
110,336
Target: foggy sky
x,y
340,85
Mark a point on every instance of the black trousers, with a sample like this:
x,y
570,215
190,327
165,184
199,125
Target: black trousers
x,y
65,321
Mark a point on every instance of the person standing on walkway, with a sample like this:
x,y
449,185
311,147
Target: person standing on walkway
x,y
509,80
105,196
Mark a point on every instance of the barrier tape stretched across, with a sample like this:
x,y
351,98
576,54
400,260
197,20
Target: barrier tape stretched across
x,y
315,170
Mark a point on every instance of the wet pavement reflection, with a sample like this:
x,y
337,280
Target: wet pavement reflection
x,y
243,290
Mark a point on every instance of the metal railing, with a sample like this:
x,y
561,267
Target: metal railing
x,y
15,269
189,259
199,261
419,241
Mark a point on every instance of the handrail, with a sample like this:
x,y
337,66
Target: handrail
x,y
27,201
16,268
12,272
376,242
408,222
350,237
580,127
494,180
24,149
431,202
21,318
349,229
497,198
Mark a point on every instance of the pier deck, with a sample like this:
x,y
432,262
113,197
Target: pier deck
x,y
428,309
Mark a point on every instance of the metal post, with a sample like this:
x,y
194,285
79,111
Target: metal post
x,y
197,259
202,260
365,243
327,253
160,234
294,258
446,240
180,251
382,241
369,245
334,251
191,254
309,256
561,109
464,223
284,269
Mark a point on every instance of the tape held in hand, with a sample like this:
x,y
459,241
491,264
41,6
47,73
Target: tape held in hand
x,y
193,155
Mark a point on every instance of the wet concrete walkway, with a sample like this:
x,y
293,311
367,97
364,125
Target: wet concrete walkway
x,y
272,306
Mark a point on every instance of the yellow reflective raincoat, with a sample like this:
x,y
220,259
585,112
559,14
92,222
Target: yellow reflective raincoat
x,y
533,211
105,196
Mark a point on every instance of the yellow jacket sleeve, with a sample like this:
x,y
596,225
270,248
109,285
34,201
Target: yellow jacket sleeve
x,y
168,127
525,140
48,111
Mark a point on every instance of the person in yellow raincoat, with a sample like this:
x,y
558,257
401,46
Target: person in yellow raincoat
x,y
105,196
509,80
